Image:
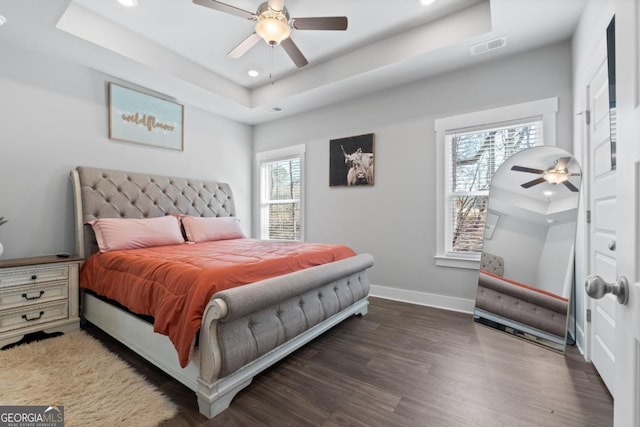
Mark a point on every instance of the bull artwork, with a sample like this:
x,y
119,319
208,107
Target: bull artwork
x,y
351,161
360,167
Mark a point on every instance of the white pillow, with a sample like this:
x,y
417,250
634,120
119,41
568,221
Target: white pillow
x,y
132,233
205,229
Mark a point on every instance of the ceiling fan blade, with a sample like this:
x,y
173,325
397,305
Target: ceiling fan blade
x,y
294,53
223,7
532,183
562,163
337,23
570,186
276,5
524,169
244,46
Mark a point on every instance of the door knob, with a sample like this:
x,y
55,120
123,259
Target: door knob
x,y
612,245
596,288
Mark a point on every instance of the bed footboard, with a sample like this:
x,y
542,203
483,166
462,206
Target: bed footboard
x,y
249,328
539,310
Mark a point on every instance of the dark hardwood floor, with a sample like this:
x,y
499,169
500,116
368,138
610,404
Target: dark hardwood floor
x,y
406,365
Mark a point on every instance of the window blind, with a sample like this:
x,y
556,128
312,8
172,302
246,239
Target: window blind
x,y
281,199
473,157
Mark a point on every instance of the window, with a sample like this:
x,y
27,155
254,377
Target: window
x,y
473,157
470,149
281,180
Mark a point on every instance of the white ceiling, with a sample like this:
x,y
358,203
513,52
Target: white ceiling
x,y
211,34
179,49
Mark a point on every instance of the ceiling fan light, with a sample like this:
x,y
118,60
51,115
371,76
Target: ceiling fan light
x,y
273,30
555,176
128,3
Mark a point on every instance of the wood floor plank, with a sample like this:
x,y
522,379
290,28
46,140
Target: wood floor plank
x,y
406,365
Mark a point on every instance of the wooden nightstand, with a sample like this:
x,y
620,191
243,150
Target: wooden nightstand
x,y
38,294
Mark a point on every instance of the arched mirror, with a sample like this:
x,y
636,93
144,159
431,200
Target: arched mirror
x,y
526,268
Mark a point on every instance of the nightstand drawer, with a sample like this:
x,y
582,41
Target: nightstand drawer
x,y
19,296
27,276
33,315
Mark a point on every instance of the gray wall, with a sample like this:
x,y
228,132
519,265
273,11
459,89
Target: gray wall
x,y
395,219
520,243
54,117
556,261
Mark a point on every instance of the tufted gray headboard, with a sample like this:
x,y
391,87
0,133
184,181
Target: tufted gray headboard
x,y
492,263
103,193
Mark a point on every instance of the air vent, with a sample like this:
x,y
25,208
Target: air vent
x,y
483,47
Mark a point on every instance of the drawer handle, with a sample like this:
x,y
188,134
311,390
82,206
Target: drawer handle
x,y
30,319
34,277
27,297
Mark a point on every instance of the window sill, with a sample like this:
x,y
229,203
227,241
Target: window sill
x,y
456,262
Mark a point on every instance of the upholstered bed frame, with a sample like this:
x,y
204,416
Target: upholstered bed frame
x,y
244,329
541,311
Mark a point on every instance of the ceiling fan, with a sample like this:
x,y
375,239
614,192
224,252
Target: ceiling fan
x,y
557,174
273,25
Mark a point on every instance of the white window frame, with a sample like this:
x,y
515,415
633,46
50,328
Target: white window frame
x,y
295,151
545,108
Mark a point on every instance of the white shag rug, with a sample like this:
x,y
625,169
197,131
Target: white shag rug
x,y
76,371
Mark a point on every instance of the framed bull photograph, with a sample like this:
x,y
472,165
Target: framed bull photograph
x,y
351,161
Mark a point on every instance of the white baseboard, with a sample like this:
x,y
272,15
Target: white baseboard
x,y
444,302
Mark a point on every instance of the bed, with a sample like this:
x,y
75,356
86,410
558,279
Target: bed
x,y
244,329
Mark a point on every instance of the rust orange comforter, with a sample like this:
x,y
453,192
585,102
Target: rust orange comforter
x,y
174,283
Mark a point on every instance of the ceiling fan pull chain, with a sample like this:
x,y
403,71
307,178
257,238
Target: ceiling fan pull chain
x,y
271,63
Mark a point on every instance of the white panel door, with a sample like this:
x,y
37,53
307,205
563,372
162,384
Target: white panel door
x,y
602,231
627,379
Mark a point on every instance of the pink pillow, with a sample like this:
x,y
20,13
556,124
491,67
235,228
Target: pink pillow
x,y
130,233
204,229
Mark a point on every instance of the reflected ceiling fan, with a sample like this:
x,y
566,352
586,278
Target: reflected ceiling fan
x,y
557,174
273,25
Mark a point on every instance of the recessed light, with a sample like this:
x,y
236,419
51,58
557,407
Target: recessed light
x,y
128,3
551,221
253,73
427,2
548,193
3,20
